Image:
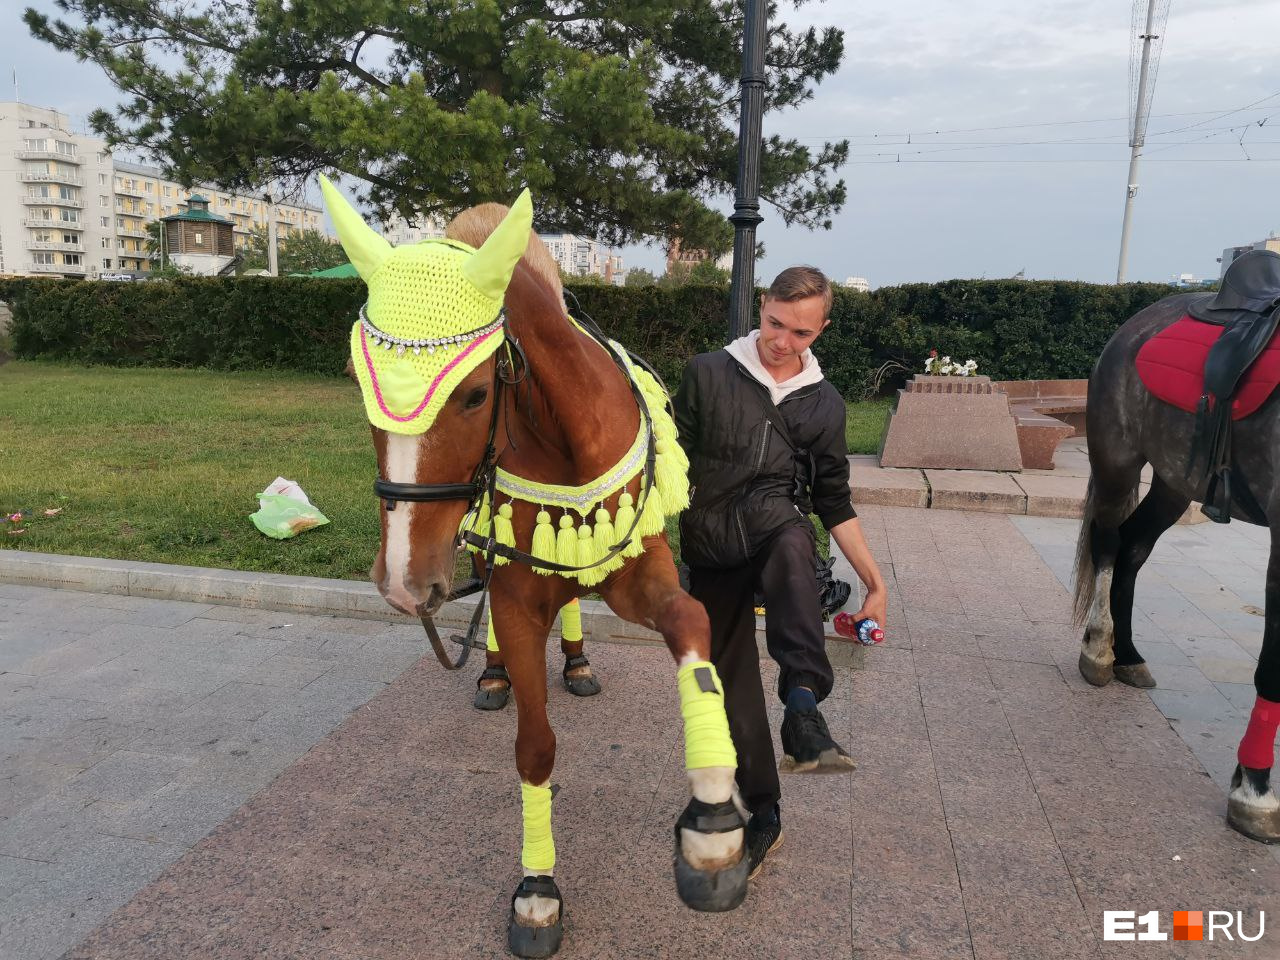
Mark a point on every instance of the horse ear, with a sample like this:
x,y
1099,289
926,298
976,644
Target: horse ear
x,y
489,269
365,246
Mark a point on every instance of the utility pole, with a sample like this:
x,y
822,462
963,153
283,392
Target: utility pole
x,y
746,203
1142,110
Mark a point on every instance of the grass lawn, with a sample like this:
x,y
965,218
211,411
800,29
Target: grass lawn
x,y
864,424
164,465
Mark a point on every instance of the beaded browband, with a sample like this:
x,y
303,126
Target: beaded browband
x,y
387,341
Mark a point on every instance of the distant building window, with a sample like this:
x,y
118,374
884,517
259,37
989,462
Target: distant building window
x,y
199,237
106,263
68,238
106,243
71,258
66,149
147,186
102,179
104,201
42,257
104,221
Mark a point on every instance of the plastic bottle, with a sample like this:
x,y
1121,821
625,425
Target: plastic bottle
x,y
866,631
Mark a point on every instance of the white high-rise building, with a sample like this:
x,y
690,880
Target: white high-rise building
x,y
51,221
581,257
68,208
400,232
861,284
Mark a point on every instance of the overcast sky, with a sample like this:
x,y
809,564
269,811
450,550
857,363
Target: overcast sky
x,y
934,192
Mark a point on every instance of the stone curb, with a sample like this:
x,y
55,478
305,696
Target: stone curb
x,y
315,596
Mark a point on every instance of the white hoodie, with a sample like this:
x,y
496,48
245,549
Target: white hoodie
x,y
746,351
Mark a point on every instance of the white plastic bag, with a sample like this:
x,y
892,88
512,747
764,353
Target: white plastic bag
x,y
285,511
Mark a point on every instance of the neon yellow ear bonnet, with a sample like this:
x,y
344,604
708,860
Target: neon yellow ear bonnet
x,y
434,312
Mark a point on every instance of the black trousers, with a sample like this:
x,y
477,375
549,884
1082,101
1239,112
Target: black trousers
x,y
784,572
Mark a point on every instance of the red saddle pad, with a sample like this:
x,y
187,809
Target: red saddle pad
x,y
1171,366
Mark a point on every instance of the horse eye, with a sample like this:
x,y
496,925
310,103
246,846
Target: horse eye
x,y
475,398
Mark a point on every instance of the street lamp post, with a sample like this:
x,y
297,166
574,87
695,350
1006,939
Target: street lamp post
x,y
746,203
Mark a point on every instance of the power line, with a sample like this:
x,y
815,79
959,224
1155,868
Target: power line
x,y
1049,123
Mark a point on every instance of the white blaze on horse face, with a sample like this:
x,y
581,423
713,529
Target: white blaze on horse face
x,y
402,467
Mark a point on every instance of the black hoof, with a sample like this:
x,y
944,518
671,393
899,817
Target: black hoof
x,y
1095,673
492,698
711,891
587,686
534,941
1135,675
543,941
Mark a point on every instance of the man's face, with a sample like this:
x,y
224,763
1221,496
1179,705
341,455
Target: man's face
x,y
787,330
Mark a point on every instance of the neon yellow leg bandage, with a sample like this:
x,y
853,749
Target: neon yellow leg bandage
x,y
706,728
492,643
539,854
571,621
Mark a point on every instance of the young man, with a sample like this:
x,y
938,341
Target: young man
x,y
765,437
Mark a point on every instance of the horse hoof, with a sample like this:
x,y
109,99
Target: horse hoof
x,y
1135,675
1253,808
534,941
492,698
712,891
587,686
1094,672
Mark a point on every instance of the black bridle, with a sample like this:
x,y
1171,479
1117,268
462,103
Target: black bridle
x,y
508,372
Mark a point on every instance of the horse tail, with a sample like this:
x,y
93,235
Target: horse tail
x,y
1085,581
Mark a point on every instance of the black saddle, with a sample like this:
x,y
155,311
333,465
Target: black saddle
x,y
1247,307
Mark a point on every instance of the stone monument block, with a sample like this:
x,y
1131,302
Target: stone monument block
x,y
956,423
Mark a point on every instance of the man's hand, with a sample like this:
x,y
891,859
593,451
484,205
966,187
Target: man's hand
x,y
874,607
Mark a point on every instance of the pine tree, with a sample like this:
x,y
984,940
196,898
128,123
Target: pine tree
x,y
620,116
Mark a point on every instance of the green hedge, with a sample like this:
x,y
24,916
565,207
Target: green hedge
x,y
1014,329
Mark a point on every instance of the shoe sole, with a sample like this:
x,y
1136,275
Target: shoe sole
x,y
829,761
760,866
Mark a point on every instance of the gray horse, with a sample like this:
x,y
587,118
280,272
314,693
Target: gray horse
x,y
1127,428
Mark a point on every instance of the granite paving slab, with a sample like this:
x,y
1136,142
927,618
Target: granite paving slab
x,y
326,794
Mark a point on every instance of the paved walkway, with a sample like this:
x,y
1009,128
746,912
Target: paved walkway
x,y
999,807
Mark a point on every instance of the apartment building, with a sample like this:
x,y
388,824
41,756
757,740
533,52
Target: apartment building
x,y
68,208
582,257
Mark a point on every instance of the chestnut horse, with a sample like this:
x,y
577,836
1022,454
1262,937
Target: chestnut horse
x,y
572,418
1127,428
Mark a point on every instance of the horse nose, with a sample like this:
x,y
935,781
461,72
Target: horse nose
x,y
436,594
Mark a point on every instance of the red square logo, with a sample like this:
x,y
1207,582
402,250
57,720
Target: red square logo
x,y
1188,925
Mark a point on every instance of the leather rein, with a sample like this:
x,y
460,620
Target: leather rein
x,y
509,371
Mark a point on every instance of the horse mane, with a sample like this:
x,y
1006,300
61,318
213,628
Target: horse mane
x,y
473,227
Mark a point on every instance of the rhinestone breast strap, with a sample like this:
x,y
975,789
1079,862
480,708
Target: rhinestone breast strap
x,y
431,345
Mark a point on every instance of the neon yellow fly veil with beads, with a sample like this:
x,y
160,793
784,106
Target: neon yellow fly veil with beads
x,y
433,315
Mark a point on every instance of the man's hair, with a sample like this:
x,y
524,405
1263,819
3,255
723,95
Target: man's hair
x,y
800,283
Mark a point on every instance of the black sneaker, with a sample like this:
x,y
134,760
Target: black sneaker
x,y
763,836
808,747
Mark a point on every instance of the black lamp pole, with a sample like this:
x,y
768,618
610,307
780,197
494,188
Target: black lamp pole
x,y
746,203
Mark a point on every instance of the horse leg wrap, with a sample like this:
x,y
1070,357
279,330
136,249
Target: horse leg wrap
x,y
706,727
571,621
1257,749
492,643
539,853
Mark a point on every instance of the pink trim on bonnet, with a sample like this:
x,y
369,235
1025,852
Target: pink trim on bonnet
x,y
377,391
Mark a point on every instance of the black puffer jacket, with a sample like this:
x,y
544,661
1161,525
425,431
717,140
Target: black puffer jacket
x,y
746,481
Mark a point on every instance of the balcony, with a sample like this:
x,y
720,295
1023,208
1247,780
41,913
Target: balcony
x,y
55,245
132,192
54,224
31,201
64,268
131,232
46,155
74,179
